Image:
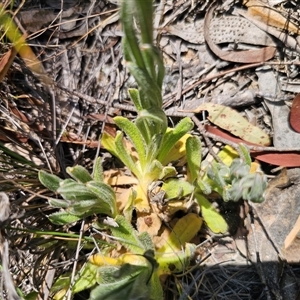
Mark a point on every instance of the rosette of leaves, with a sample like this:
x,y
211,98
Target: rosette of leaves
x,y
83,194
237,181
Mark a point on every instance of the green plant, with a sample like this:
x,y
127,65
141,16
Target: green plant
x,y
84,195
132,265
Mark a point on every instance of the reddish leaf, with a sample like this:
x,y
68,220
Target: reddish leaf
x,y
295,114
284,159
247,56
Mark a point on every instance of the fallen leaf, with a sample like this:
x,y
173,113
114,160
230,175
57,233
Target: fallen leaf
x,y
295,114
283,159
248,56
230,120
279,158
270,16
150,223
227,29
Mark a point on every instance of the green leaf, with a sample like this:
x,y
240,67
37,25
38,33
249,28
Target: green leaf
x,y
17,157
153,148
50,181
184,230
175,261
86,278
144,14
258,188
135,137
128,209
151,122
86,208
193,157
135,97
105,194
246,154
59,203
212,218
153,172
72,190
204,186
124,156
146,240
98,171
127,235
130,41
167,172
173,136
62,218
177,188
157,60
150,92
108,142
219,174
125,282
79,173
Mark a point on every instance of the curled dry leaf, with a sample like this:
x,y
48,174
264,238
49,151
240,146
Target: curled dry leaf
x,y
230,120
248,56
295,114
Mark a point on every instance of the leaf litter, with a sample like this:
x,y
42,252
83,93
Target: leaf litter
x,y
101,81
